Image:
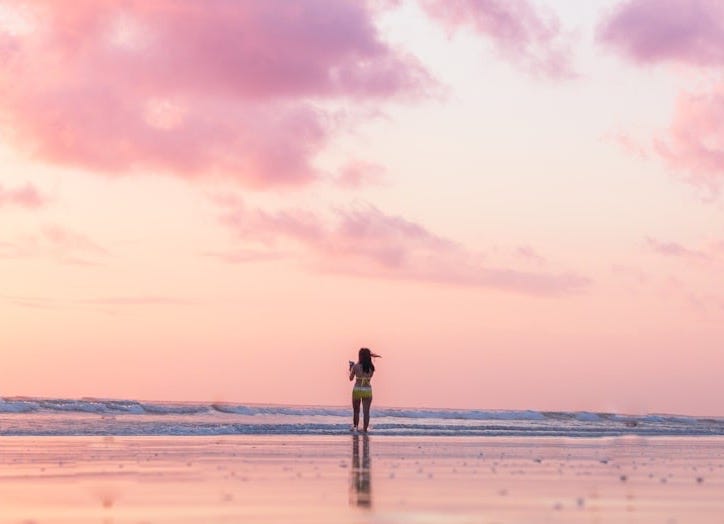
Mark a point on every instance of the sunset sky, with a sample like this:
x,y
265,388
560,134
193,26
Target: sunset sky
x,y
516,202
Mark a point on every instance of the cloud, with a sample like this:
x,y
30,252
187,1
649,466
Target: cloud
x,y
243,256
628,144
100,304
529,254
521,33
26,196
70,247
630,274
708,300
358,173
674,249
56,243
363,241
689,33
650,31
65,239
695,141
141,300
240,89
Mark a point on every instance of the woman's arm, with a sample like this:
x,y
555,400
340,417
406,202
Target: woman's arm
x,y
352,371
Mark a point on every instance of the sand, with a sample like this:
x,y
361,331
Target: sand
x,y
344,479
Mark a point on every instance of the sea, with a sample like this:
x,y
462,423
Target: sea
x,y
26,416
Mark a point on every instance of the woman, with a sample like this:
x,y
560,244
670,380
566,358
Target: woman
x,y
362,371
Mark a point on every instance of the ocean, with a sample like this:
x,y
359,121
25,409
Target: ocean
x,y
25,416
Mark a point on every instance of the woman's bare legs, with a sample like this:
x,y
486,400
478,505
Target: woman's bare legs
x,y
355,412
366,403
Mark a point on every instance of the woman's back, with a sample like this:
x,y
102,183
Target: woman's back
x,y
362,372
362,377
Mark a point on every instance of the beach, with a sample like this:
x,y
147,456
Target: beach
x,y
359,479
497,226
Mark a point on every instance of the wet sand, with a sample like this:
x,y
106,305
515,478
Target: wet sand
x,y
351,479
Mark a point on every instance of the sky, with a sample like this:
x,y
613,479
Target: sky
x,y
517,203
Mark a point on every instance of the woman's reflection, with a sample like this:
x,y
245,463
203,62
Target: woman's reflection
x,y
360,485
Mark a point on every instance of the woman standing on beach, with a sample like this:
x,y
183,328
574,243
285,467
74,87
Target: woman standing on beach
x,y
362,372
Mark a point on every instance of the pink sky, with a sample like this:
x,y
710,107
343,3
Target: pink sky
x,y
518,203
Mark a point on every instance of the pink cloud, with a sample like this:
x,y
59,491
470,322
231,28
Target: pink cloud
x,y
267,228
26,196
684,31
55,243
529,254
244,256
366,242
66,240
99,304
688,32
142,300
520,32
357,173
674,249
705,301
695,141
193,88
630,274
628,144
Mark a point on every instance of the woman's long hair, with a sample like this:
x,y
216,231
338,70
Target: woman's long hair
x,y
365,358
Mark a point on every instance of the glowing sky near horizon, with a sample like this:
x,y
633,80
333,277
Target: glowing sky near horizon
x,y
517,203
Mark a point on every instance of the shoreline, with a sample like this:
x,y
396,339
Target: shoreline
x,y
97,417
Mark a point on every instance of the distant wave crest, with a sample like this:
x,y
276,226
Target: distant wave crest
x,y
97,416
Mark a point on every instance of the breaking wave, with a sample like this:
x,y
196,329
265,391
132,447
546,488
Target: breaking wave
x,y
96,416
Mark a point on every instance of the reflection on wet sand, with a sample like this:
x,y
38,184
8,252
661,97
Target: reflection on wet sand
x,y
360,485
272,479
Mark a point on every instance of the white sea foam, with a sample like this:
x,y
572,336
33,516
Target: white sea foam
x,y
94,416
